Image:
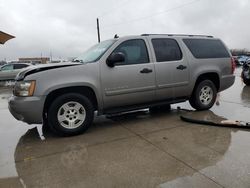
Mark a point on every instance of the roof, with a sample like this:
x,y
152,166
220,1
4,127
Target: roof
x,y
5,37
180,35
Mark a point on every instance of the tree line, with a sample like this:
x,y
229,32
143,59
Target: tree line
x,y
237,52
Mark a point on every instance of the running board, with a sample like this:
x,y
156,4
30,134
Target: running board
x,y
142,106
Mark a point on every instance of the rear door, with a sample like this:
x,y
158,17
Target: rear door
x,y
171,67
130,82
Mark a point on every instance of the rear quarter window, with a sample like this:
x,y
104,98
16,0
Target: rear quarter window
x,y
20,66
206,48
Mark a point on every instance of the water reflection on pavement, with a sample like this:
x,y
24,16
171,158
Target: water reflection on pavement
x,y
136,149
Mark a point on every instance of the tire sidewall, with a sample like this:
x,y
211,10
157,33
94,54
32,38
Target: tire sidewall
x,y
55,106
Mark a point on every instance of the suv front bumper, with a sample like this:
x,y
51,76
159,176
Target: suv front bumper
x,y
27,109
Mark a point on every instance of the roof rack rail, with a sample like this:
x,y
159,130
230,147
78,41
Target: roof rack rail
x,y
209,36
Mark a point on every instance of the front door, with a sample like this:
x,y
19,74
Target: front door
x,y
132,81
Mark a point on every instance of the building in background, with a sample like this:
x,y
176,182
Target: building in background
x,y
35,60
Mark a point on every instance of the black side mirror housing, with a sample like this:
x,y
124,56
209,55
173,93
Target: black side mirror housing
x,y
115,58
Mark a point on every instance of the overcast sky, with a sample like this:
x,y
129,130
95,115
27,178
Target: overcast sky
x,y
67,28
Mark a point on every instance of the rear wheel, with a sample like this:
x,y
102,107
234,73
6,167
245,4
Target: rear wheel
x,y
70,114
204,95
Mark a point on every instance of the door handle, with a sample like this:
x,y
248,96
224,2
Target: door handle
x,y
146,70
181,67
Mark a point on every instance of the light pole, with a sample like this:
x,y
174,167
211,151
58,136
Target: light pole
x,y
98,30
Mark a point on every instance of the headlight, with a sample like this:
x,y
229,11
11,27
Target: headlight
x,y
24,88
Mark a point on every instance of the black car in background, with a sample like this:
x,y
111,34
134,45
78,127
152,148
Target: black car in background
x,y
246,72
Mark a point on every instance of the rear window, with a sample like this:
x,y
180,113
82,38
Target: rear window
x,y
20,66
206,48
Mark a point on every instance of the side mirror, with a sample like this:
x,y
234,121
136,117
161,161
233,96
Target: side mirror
x,y
115,58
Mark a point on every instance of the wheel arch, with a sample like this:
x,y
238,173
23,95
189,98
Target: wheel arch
x,y
84,90
213,76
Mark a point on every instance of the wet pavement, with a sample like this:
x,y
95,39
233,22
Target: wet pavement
x,y
136,149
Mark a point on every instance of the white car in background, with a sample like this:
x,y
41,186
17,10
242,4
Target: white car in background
x,y
9,71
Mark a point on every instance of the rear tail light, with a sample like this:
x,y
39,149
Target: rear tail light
x,y
233,65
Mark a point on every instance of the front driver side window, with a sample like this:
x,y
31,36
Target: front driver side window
x,y
135,52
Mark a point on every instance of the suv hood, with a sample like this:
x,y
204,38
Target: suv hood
x,y
40,68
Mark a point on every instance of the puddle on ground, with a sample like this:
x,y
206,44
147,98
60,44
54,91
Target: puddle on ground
x,y
232,170
245,96
206,116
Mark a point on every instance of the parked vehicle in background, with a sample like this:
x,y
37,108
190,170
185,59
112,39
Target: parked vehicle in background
x,y
9,71
2,63
246,72
123,74
242,59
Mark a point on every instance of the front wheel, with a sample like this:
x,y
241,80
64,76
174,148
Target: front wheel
x,y
204,95
70,114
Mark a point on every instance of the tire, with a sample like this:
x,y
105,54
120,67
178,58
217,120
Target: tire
x,y
70,114
204,95
245,80
158,109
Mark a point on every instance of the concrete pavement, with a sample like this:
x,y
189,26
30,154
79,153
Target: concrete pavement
x,y
132,150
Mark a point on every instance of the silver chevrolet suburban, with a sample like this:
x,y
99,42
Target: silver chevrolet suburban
x,y
123,74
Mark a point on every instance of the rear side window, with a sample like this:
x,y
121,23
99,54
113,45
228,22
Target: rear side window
x,y
166,50
20,66
206,48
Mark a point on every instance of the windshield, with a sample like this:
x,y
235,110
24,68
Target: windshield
x,y
95,52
